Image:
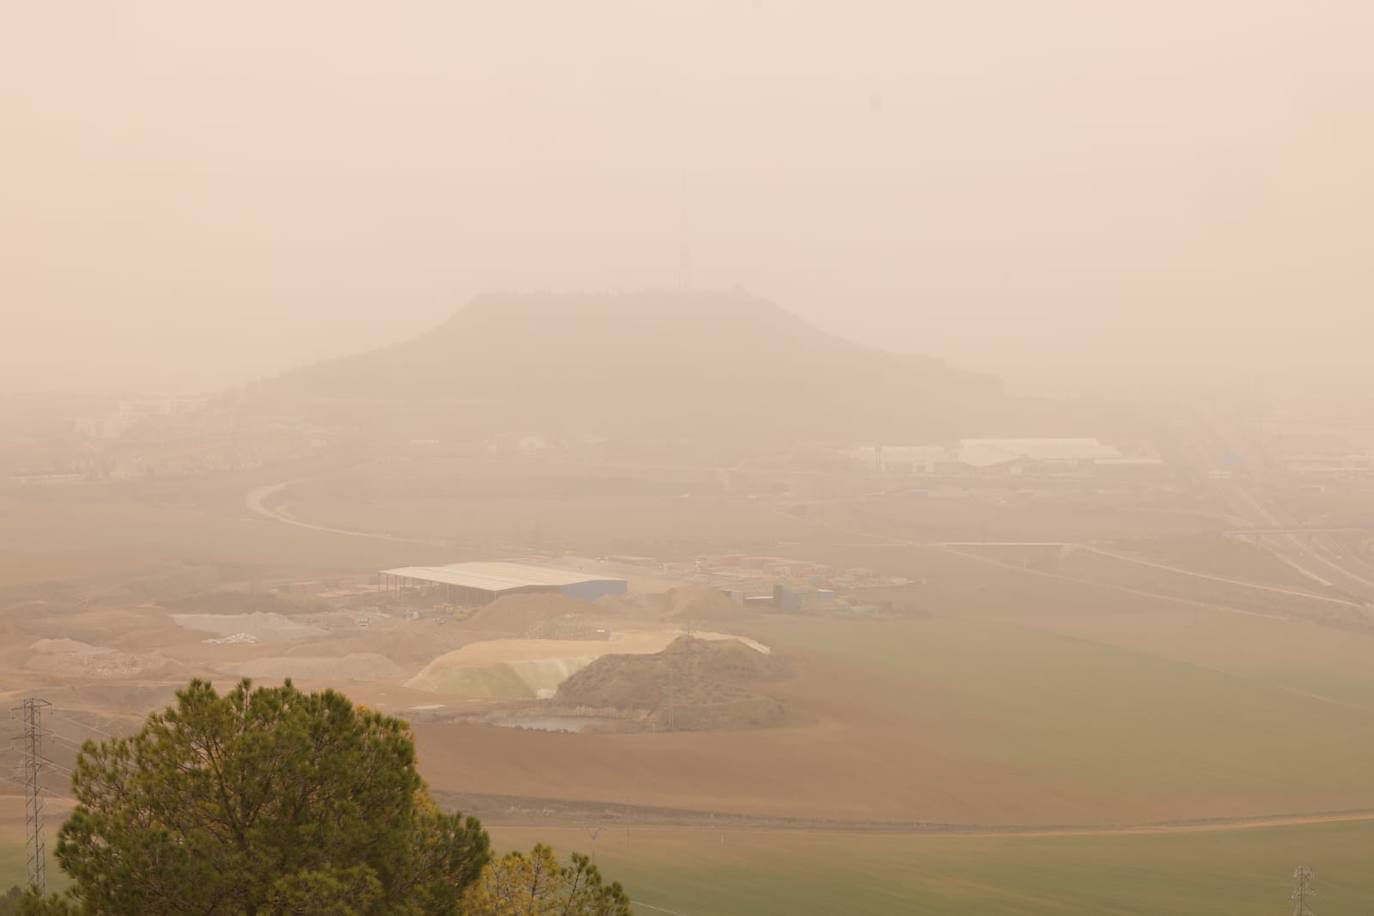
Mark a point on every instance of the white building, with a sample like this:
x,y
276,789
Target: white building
x,y
982,454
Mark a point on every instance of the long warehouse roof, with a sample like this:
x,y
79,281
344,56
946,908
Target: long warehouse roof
x,y
495,577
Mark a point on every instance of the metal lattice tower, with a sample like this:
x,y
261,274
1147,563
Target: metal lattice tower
x,y
31,711
1302,892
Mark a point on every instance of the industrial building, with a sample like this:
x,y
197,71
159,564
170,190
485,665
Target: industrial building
x,y
484,582
984,456
983,453
801,597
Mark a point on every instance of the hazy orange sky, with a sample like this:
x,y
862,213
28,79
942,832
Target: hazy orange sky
x,y
196,193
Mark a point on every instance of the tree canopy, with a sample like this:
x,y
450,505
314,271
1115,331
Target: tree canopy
x,y
537,885
264,801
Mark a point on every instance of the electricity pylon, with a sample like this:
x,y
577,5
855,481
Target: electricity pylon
x,y
31,710
1302,892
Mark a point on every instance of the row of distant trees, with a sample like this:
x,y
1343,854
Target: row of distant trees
x,y
274,802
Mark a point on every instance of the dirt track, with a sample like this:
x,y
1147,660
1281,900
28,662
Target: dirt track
x,y
584,814
1217,826
1178,570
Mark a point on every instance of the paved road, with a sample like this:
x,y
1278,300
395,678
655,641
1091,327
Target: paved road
x,y
256,500
1233,460
1295,593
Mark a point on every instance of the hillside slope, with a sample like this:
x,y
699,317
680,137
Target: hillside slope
x,y
677,364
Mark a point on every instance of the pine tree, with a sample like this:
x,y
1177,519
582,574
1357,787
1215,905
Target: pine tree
x,y
264,801
538,885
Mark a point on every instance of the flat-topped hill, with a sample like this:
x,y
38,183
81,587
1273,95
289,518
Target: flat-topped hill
x,y
665,364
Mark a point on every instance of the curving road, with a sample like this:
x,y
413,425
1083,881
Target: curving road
x,y
256,501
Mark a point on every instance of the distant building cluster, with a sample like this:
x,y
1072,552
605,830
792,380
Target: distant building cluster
x,y
130,412
782,582
1317,450
1005,456
163,437
1335,466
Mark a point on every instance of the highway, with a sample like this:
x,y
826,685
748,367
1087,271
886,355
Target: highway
x,y
1232,459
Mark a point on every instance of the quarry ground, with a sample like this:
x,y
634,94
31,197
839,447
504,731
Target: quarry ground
x,y
935,754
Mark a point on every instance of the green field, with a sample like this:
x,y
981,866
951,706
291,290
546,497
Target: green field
x,y
14,858
122,531
1231,873
1124,715
703,872
1005,699
1051,716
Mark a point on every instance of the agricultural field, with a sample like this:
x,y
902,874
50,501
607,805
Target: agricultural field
x,y
1042,730
86,532
1115,718
1123,706
713,872
1244,872
538,506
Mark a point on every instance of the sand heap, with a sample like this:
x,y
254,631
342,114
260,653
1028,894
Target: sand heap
x,y
567,627
240,602
262,627
524,668
72,658
693,684
357,666
699,602
523,613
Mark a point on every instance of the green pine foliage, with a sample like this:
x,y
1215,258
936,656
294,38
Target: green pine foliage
x,y
263,801
537,884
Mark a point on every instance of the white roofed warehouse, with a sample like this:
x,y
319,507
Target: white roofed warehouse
x,y
484,582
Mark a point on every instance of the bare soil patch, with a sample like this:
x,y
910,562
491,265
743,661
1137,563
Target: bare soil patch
x,y
264,627
364,666
521,613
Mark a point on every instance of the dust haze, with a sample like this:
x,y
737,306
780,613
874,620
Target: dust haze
x,y
813,457
195,198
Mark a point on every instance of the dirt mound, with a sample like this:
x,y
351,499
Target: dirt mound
x,y
72,658
360,666
524,667
567,627
521,613
694,684
262,627
243,602
699,602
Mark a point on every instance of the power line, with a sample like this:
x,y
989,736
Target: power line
x,y
70,742
14,782
93,728
657,909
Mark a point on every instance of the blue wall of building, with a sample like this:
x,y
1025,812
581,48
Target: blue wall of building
x,y
590,591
